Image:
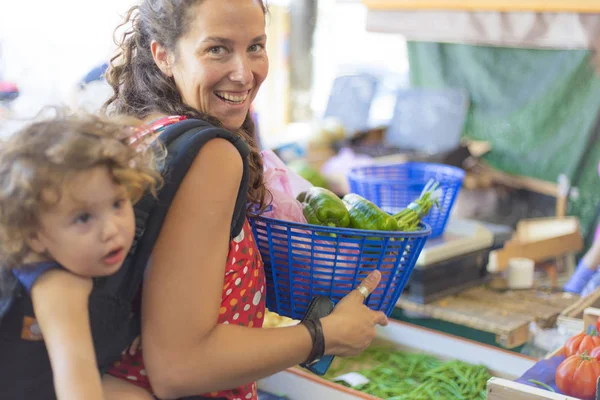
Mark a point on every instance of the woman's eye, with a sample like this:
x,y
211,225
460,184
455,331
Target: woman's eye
x,y
118,204
256,48
216,50
83,218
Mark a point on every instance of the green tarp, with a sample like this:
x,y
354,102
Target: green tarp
x,y
538,108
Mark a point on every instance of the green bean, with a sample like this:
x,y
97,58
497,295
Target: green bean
x,y
541,384
397,375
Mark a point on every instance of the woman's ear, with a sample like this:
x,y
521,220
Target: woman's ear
x,y
161,58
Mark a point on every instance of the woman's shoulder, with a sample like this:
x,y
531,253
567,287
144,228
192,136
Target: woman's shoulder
x,y
216,160
218,157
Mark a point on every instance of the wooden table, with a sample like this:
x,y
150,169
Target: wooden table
x,y
506,314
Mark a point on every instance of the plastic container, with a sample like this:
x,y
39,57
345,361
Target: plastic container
x,y
520,273
392,187
302,261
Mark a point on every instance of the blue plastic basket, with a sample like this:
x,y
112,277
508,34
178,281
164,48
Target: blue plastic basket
x,y
393,187
302,261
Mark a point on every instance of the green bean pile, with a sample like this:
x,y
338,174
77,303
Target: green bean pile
x,y
397,375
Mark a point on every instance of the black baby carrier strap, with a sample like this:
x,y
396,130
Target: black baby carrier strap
x,y
25,371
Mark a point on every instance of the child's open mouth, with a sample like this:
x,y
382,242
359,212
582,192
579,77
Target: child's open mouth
x,y
114,257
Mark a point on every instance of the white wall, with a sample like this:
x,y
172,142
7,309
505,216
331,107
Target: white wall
x,y
343,45
47,46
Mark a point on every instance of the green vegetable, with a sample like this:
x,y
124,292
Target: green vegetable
x,y
309,173
366,215
542,385
409,218
322,207
398,375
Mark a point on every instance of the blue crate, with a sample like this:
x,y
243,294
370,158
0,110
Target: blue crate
x,y
303,261
393,187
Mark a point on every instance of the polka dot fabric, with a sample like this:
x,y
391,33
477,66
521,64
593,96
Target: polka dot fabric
x,y
242,303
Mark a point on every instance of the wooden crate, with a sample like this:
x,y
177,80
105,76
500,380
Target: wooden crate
x,y
502,389
572,318
299,384
505,314
539,239
589,318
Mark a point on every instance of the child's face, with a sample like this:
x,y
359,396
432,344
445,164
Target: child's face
x,y
91,229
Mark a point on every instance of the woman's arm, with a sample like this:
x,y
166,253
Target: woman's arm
x,y
186,352
60,302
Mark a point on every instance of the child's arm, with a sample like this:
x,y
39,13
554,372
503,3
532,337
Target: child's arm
x,y
60,301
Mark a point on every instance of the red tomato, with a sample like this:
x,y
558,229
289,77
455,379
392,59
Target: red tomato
x,y
577,376
581,342
596,353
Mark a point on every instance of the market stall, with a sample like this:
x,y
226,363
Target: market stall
x,y
298,384
572,369
529,69
319,256
537,111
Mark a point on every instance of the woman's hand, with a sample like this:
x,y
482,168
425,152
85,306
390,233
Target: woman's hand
x,y
350,328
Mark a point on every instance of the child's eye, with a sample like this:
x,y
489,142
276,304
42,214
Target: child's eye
x,y
119,204
83,218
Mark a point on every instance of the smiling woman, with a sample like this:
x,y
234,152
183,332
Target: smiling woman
x,y
192,58
223,73
204,293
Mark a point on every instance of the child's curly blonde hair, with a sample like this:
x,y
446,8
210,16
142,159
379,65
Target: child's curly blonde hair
x,y
42,155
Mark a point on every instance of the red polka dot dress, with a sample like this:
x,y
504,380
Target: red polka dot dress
x,y
242,303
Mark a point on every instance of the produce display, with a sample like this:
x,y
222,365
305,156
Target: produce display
x,y
323,207
274,320
409,218
583,342
578,367
311,174
397,375
366,215
394,374
577,376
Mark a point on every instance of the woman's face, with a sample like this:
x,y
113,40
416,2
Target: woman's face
x,y
222,60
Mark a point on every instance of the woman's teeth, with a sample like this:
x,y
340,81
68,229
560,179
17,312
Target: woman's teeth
x,y
238,99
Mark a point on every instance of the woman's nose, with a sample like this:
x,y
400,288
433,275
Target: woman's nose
x,y
241,73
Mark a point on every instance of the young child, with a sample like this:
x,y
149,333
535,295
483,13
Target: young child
x,y
67,186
